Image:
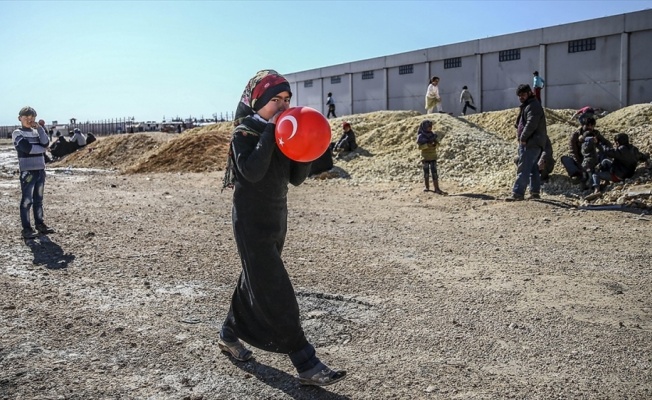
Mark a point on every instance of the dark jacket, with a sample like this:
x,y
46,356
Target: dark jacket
x,y
533,122
546,161
625,160
576,139
347,141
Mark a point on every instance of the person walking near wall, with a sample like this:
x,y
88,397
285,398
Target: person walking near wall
x,y
330,102
537,83
467,99
433,100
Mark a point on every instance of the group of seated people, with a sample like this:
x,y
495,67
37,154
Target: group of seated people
x,y
594,159
62,146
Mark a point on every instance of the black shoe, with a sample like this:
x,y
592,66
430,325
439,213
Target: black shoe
x,y
515,197
29,233
535,196
44,229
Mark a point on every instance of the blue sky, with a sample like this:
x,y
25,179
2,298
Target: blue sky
x,y
95,60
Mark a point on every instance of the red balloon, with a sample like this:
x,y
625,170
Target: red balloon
x,y
302,133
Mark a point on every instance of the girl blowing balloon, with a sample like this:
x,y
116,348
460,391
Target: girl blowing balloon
x,y
264,311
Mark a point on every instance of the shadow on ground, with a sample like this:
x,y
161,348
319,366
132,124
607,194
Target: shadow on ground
x,y
49,254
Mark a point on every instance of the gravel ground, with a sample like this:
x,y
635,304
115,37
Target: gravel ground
x,y
415,295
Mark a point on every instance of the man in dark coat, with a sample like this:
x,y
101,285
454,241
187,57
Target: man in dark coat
x,y
532,135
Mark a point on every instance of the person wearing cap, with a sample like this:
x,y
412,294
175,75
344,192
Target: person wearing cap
x,y
264,311
31,141
78,138
620,162
347,140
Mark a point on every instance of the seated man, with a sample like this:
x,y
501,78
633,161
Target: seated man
x,y
621,162
62,147
573,162
347,140
78,138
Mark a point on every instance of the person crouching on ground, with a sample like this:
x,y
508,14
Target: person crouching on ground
x,y
264,311
428,141
620,162
31,142
347,140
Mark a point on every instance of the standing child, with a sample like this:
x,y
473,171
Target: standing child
x,y
264,311
433,100
30,142
467,99
428,141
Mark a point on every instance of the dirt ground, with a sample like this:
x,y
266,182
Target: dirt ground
x,y
416,295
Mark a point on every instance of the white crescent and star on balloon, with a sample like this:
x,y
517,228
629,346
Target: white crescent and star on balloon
x,y
292,120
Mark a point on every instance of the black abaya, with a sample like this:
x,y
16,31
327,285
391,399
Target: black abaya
x,y
264,311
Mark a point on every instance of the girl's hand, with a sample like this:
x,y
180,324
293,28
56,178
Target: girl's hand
x,y
275,117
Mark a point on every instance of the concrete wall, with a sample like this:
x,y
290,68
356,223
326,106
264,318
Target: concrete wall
x,y
640,62
500,79
616,74
369,94
584,78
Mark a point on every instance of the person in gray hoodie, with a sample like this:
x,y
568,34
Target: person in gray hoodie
x,y
532,135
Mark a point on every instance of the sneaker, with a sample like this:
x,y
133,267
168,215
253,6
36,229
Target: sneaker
x,y
236,350
515,197
29,233
44,229
535,196
323,377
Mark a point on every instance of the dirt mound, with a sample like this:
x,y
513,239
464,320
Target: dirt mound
x,y
115,152
195,150
626,118
477,151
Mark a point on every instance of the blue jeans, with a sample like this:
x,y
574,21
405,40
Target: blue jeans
x,y
527,170
32,184
603,174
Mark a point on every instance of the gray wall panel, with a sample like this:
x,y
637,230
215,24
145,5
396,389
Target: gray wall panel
x,y
640,55
601,64
369,94
617,73
640,91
